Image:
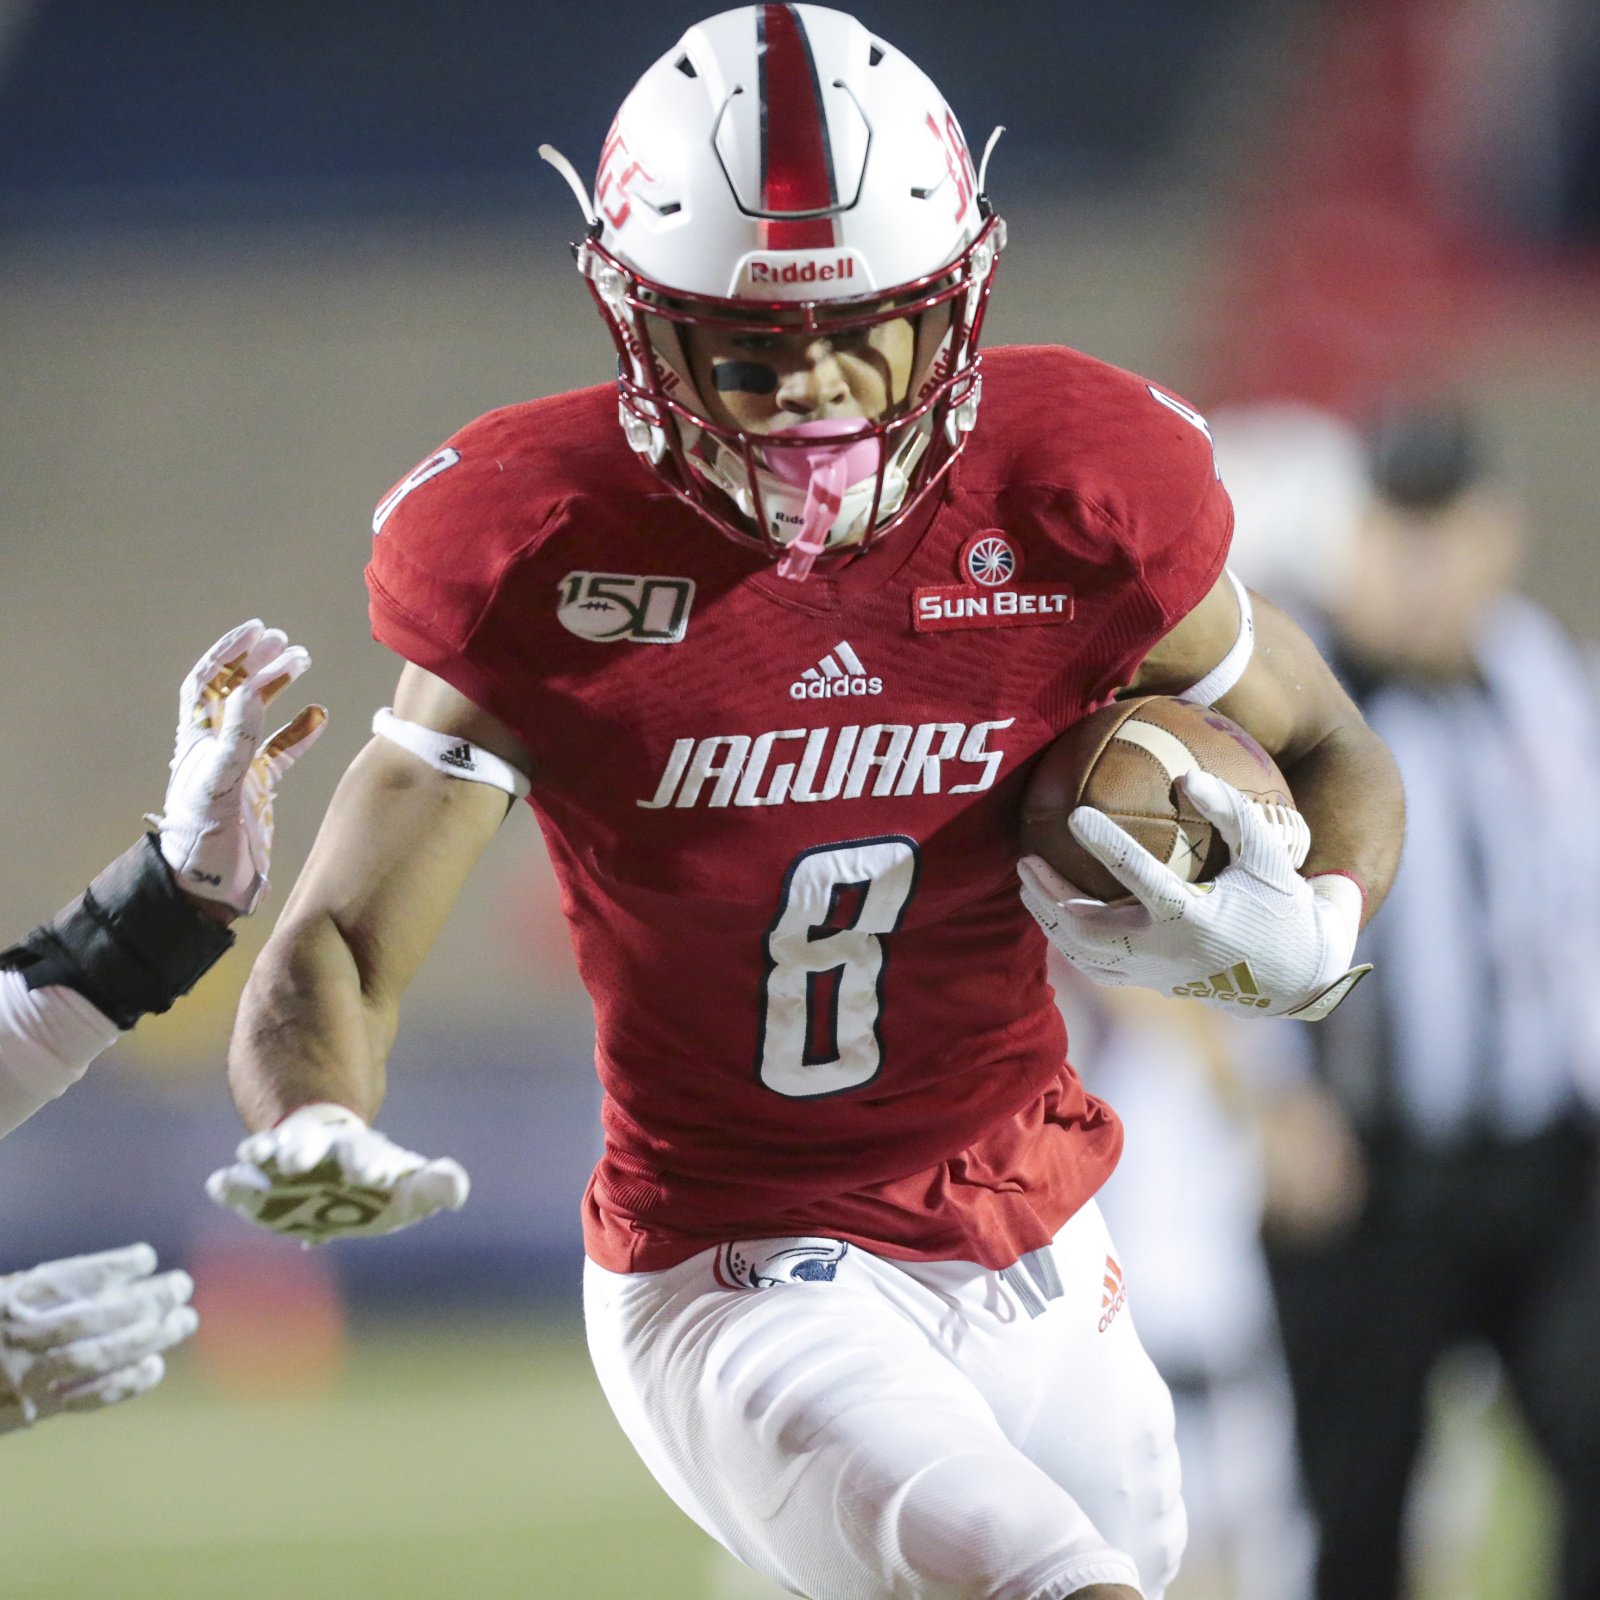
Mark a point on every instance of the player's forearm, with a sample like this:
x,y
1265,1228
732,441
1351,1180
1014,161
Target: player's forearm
x,y
1348,789
307,1030
321,1007
48,1037
1343,778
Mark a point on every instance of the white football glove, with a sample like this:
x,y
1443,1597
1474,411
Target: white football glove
x,y
323,1174
216,826
83,1333
1259,939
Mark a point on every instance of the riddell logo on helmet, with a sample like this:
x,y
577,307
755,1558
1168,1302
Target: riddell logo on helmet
x,y
801,275
801,272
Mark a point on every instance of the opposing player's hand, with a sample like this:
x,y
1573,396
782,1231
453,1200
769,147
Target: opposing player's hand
x,y
83,1333
323,1174
1258,940
216,826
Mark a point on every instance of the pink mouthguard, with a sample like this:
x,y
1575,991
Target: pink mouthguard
x,y
826,468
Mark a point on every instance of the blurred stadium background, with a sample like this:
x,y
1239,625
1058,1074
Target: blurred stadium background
x,y
259,257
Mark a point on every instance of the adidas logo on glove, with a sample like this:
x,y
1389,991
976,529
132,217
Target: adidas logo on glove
x,y
1237,984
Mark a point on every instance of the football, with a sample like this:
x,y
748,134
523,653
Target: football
x,y
1125,759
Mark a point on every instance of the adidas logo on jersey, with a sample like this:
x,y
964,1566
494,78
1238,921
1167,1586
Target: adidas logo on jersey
x,y
1115,1296
1237,984
849,763
838,674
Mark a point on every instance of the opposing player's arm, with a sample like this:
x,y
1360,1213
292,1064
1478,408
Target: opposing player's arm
x,y
321,1007
1344,780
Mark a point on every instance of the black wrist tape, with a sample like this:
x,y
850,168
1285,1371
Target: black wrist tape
x,y
129,944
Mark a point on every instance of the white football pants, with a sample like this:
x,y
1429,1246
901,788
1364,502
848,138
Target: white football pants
x,y
864,1429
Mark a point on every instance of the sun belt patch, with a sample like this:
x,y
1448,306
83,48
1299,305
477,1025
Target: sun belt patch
x,y
988,594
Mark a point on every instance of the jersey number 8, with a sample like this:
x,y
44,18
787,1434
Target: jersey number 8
x,y
820,1026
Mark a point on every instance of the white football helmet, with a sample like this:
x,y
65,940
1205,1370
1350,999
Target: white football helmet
x,y
781,170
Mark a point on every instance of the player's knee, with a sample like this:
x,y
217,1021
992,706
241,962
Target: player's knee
x,y
1157,1517
1169,1534
966,1531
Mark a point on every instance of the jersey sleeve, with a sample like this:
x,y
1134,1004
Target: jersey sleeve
x,y
1154,487
1127,475
444,539
1127,487
1182,532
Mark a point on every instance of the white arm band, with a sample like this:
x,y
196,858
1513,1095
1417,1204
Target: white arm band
x,y
48,1037
455,758
1230,669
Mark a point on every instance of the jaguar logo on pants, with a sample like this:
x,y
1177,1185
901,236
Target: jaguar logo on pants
x,y
765,1263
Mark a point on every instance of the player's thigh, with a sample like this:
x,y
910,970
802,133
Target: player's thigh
x,y
1103,1425
814,1430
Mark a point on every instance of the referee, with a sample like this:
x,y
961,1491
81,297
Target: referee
x,y
1469,1063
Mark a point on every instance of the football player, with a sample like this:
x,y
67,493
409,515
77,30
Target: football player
x,y
83,1333
773,658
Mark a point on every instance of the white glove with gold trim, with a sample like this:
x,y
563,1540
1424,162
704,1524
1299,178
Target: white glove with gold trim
x,y
216,825
323,1174
1259,939
86,1332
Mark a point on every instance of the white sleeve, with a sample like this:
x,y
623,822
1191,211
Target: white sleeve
x,y
48,1037
1230,669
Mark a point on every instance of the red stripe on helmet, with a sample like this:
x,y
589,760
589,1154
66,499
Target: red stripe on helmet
x,y
796,161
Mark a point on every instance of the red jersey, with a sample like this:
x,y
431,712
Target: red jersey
x,y
783,815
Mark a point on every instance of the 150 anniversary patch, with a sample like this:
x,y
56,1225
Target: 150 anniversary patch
x,y
618,607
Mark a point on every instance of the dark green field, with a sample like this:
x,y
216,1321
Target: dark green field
x,y
479,1463
473,1461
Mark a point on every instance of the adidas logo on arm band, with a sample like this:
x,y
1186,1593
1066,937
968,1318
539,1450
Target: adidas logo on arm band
x,y
454,757
1230,669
